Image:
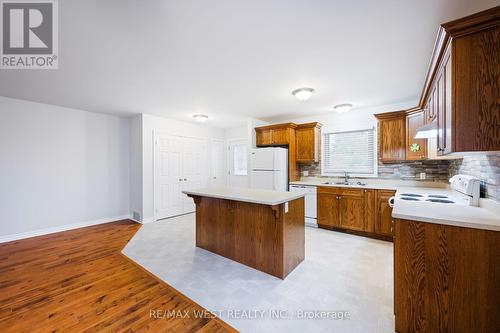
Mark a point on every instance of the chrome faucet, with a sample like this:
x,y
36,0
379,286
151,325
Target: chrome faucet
x,y
346,177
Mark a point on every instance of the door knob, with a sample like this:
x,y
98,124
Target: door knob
x,y
180,179
185,179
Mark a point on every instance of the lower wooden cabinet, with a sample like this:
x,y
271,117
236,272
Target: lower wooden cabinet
x,y
384,225
327,206
446,278
358,210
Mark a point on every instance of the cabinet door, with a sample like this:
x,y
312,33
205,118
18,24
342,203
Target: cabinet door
x,y
446,130
393,139
370,197
328,212
439,103
384,213
351,212
263,137
305,144
280,136
416,149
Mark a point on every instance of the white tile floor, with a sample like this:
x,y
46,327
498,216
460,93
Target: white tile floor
x,y
340,273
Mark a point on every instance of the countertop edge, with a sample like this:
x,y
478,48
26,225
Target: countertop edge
x,y
255,201
462,224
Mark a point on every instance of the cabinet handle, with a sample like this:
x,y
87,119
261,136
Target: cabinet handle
x,y
440,149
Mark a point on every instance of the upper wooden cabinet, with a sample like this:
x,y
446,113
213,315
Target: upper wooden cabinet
x,y
275,135
392,136
308,138
280,135
416,149
463,84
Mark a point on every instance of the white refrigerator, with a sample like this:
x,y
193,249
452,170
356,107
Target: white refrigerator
x,y
269,169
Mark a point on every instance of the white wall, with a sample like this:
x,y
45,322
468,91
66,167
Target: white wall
x,y
152,124
60,167
136,167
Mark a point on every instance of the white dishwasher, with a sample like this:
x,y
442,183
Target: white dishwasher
x,y
310,203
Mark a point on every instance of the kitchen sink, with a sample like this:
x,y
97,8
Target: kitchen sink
x,y
345,183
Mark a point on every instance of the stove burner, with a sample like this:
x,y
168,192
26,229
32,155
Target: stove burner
x,y
412,195
409,199
440,201
438,196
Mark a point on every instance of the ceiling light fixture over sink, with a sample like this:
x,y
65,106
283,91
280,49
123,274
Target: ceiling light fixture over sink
x,y
303,94
201,118
342,108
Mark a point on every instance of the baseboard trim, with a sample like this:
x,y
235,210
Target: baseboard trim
x,y
46,231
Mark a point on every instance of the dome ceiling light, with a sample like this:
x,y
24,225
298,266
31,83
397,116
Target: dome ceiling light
x,y
201,118
342,108
303,94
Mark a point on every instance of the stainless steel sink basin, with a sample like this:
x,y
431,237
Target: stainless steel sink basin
x,y
345,184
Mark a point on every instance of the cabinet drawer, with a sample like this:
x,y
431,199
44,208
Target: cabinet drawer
x,y
328,190
352,192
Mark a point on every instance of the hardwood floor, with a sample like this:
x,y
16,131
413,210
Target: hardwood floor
x,y
78,281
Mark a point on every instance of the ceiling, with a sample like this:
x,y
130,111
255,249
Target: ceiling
x,y
233,59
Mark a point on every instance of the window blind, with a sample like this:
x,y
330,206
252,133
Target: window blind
x,y
352,151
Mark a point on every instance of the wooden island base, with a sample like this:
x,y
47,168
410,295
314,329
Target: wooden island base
x,y
264,237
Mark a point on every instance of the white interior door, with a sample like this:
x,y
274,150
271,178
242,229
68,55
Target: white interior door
x,y
180,164
218,167
238,165
194,169
168,176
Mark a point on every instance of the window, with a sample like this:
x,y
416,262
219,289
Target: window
x,y
353,152
240,160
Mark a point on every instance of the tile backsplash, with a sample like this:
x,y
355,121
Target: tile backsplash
x,y
435,170
485,166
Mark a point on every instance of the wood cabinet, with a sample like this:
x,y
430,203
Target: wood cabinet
x,y
384,225
328,207
352,210
308,138
416,149
446,278
362,211
280,135
392,136
370,202
275,135
462,84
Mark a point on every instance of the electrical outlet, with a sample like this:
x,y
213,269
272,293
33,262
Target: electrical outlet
x,y
422,175
305,173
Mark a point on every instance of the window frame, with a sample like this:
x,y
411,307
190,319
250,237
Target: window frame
x,y
352,174
233,164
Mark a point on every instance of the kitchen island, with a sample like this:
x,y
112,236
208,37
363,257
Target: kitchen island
x,y
259,228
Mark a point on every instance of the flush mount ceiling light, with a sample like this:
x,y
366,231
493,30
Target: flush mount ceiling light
x,y
303,94
342,108
200,118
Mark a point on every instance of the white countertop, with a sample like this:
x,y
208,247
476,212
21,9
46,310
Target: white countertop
x,y
263,197
486,217
371,183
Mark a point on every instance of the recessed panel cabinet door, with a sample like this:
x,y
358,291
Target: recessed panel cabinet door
x,y
351,211
328,212
384,213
